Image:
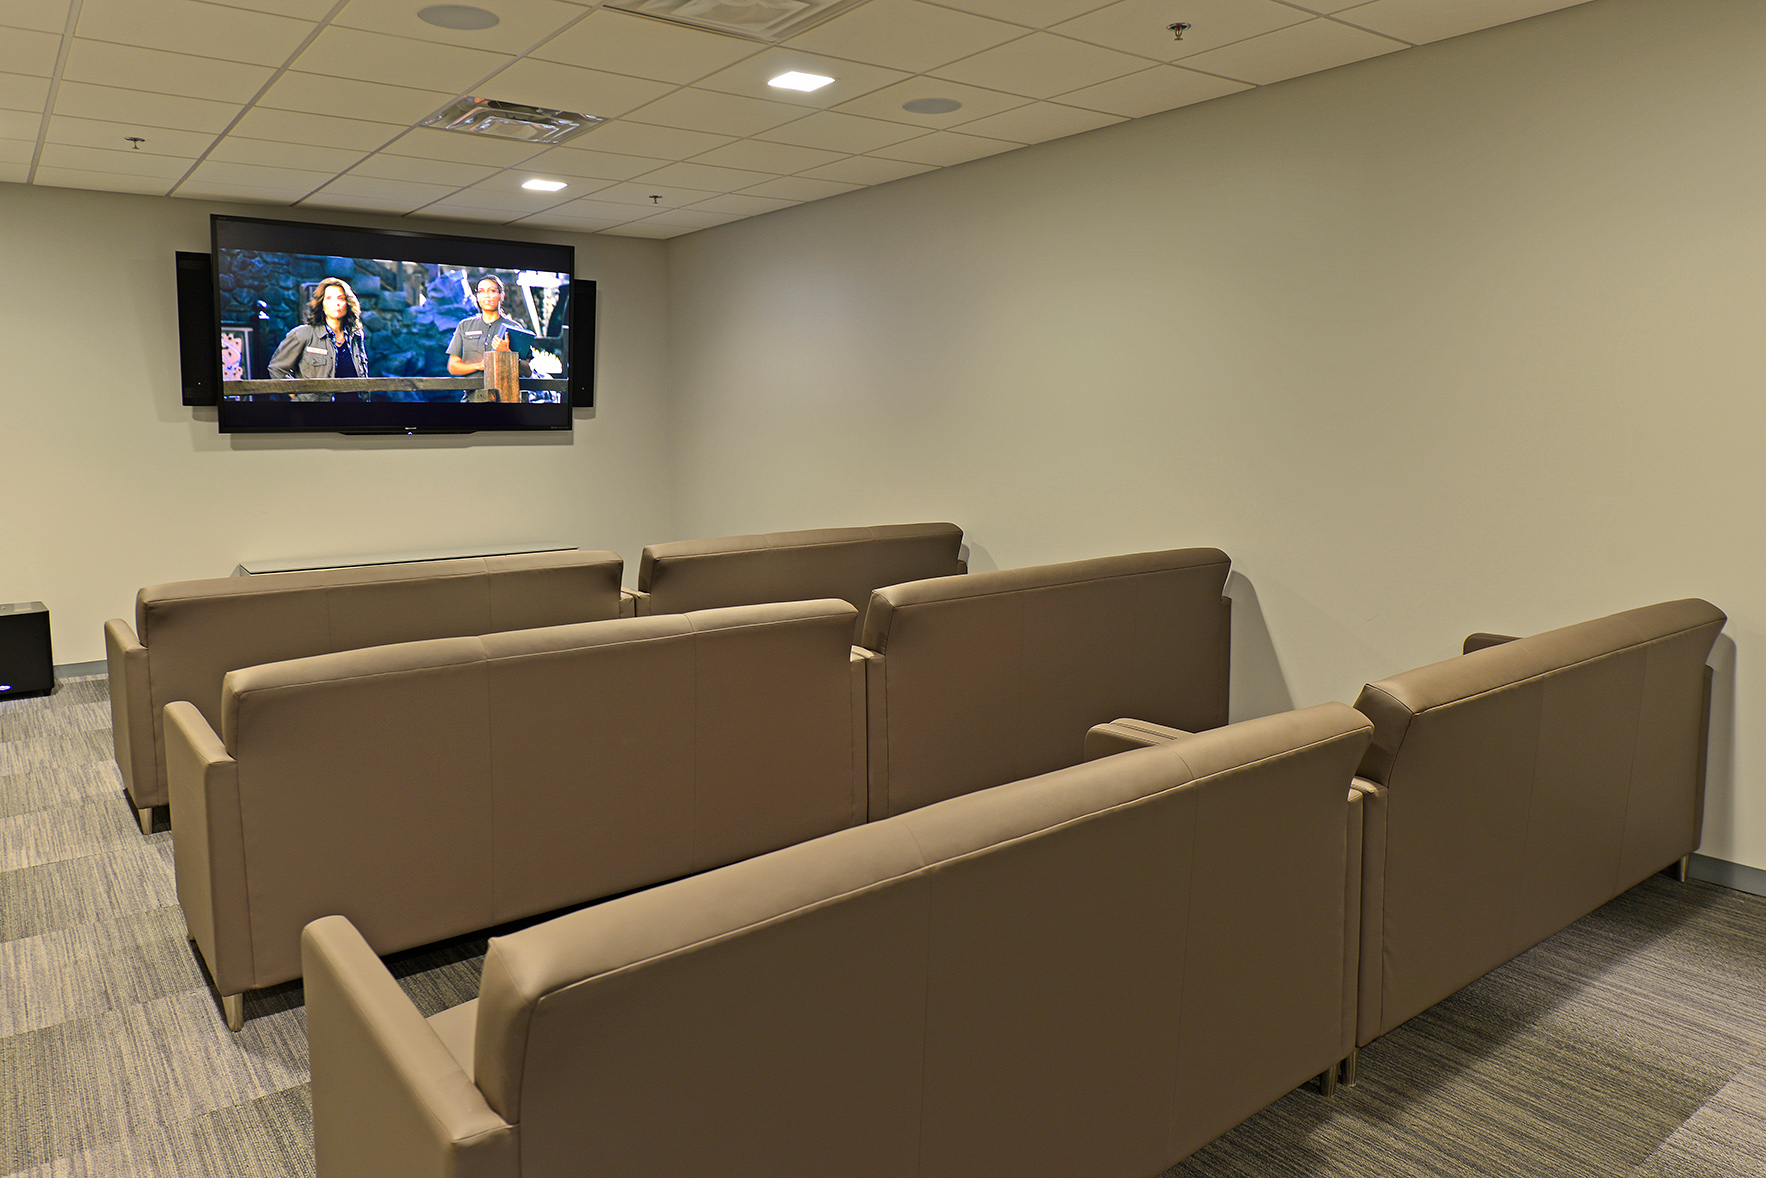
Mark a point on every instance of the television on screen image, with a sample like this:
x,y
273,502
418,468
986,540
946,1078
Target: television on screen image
x,y
324,328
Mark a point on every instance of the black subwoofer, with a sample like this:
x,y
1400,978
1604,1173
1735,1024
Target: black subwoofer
x,y
26,664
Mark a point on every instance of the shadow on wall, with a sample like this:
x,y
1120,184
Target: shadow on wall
x,y
1720,749
1259,688
978,558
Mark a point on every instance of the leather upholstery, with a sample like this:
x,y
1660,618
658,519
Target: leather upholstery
x,y
847,563
997,676
1096,971
430,789
188,634
1513,790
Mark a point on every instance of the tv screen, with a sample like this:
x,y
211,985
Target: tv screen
x,y
325,328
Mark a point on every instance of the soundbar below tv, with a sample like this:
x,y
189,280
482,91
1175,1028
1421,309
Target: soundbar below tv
x,y
332,329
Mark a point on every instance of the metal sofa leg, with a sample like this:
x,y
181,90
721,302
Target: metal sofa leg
x,y
233,1006
1680,872
1327,1080
1352,1067
145,814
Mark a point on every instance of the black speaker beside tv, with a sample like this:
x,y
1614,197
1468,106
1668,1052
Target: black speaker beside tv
x,y
197,360
582,365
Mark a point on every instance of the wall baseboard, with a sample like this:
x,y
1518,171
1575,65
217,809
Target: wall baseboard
x,y
75,670
1730,875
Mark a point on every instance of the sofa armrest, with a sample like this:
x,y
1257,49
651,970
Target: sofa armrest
x,y
1121,735
1481,640
208,846
638,600
131,708
389,1099
1373,889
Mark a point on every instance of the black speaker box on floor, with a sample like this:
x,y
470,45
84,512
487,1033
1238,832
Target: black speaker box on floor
x,y
197,357
26,666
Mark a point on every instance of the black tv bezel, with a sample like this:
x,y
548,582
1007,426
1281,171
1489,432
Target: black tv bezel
x,y
392,417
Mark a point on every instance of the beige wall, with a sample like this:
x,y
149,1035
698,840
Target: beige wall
x,y
1467,337
111,484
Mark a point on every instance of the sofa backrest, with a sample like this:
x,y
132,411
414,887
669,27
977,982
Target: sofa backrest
x,y
1095,972
1524,785
789,566
197,631
997,676
434,788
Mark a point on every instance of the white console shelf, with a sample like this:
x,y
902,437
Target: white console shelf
x,y
252,568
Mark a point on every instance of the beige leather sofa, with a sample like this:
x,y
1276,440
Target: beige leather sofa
x,y
188,634
993,677
1515,789
1092,972
431,789
789,566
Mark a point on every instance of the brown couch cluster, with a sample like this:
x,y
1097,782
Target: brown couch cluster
x,y
921,920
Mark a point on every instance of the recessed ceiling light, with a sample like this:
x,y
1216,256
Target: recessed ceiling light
x,y
931,106
462,18
544,185
803,82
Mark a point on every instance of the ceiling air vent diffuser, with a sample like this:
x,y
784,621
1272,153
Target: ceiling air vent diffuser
x,y
757,20
509,120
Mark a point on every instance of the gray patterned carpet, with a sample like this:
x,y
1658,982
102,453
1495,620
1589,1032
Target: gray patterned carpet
x,y
1632,1045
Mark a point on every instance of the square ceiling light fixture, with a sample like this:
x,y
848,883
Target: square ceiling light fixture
x,y
509,120
756,20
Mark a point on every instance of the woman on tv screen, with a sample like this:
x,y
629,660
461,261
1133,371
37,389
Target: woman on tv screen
x,y
330,344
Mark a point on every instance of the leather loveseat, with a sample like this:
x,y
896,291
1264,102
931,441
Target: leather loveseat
x,y
432,789
188,634
1092,972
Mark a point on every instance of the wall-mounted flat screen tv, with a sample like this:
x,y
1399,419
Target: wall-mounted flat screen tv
x,y
330,329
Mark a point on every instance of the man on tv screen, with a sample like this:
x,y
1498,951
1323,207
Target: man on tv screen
x,y
478,334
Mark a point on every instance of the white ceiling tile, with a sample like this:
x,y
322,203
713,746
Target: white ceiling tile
x,y
644,48
187,26
518,25
17,151
357,204
260,175
1419,21
405,167
568,87
851,78
555,220
1042,65
778,158
457,147
719,114
1139,26
646,229
1161,88
24,124
29,52
887,103
800,188
1327,7
864,169
313,10
242,149
23,92
664,143
1035,14
83,100
369,101
596,209
406,192
46,16
744,206
944,148
706,177
690,218
639,192
904,35
448,210
156,70
293,126
1040,122
103,181
156,140
244,193
114,159
1287,53
504,190
571,163
14,173
397,61
833,131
